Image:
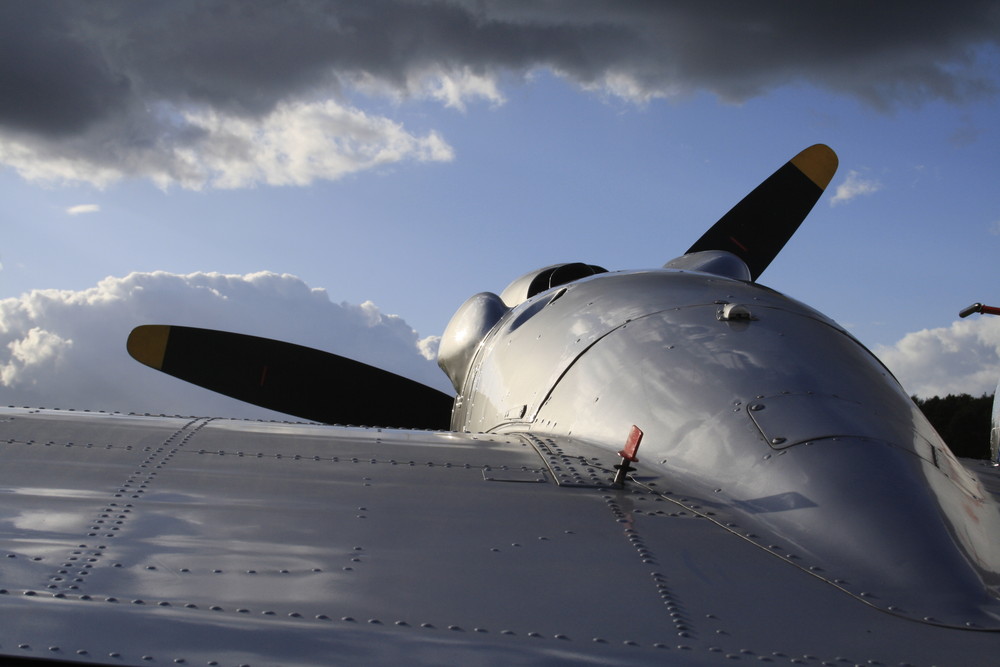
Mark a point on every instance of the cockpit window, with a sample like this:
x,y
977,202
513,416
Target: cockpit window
x,y
560,275
538,281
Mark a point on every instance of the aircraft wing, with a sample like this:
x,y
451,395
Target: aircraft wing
x,y
139,540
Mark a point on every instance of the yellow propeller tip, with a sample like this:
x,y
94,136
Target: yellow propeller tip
x,y
147,344
819,163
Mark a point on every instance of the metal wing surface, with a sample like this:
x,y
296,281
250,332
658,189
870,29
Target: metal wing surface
x,y
165,540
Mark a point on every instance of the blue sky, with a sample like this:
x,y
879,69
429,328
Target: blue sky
x,y
556,174
534,159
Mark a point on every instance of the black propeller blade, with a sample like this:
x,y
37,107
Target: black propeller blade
x,y
758,227
301,381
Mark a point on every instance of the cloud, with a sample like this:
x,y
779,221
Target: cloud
x,y
231,94
83,208
963,358
455,89
36,349
295,144
854,185
66,349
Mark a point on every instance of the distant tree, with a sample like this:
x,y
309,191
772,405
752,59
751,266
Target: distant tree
x,y
963,421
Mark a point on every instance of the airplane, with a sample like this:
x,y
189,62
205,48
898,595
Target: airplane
x,y
995,414
671,466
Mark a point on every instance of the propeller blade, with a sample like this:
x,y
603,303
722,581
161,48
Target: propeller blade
x,y
757,228
301,381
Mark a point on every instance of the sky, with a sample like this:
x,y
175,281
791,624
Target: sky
x,y
344,175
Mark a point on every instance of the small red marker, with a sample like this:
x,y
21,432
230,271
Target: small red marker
x,y
737,243
628,454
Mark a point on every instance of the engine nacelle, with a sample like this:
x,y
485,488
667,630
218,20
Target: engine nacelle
x,y
759,405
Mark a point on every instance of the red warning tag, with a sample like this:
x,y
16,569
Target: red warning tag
x,y
632,444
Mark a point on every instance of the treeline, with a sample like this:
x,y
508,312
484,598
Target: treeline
x,y
963,421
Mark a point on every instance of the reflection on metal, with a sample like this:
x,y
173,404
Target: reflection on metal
x,y
258,543
845,469
790,419
779,502
465,332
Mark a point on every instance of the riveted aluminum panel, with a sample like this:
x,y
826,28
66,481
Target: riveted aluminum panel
x,y
791,419
536,343
265,544
729,599
273,544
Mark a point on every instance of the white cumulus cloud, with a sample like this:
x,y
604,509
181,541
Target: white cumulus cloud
x,y
454,89
963,358
297,143
855,185
37,349
63,348
80,209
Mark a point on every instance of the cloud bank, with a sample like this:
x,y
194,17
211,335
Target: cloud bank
x,y
963,358
66,349
232,94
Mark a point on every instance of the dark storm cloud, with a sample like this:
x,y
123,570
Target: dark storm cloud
x,y
68,67
50,81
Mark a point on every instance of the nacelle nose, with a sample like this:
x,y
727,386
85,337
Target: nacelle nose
x,y
788,428
464,333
